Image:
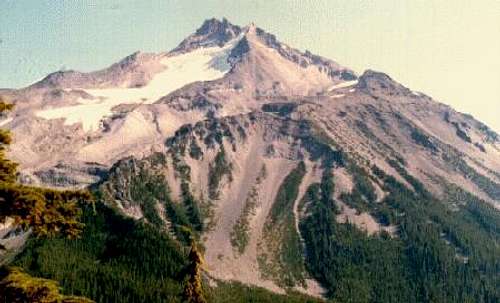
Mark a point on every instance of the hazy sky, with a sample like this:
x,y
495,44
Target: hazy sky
x,y
447,49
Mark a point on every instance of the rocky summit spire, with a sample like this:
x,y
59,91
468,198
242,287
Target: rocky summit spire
x,y
213,32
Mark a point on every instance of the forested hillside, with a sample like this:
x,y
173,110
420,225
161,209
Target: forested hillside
x,y
120,260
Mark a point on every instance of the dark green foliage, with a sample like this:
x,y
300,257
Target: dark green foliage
x,y
280,234
46,212
157,159
446,117
216,131
415,133
241,131
320,150
320,146
218,169
480,147
178,142
192,208
282,109
490,187
310,196
194,150
120,260
116,260
181,167
437,269
347,76
18,286
444,250
143,183
327,189
352,266
422,139
193,288
461,134
235,292
491,136
147,190
417,185
240,234
180,222
363,193
287,193
438,255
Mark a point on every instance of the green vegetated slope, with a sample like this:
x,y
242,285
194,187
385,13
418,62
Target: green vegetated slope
x,y
122,260
440,253
116,260
282,259
141,184
443,250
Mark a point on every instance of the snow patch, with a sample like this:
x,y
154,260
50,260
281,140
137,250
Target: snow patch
x,y
338,96
6,121
343,85
202,64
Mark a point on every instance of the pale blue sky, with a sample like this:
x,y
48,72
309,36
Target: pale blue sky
x,y
447,49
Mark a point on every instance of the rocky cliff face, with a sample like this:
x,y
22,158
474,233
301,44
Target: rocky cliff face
x,y
244,153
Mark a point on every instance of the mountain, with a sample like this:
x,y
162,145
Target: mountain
x,y
75,123
294,172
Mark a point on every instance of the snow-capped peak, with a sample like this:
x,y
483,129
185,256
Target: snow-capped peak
x,y
213,32
201,64
208,54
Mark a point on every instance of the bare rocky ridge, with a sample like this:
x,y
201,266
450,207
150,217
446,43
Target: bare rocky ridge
x,y
263,106
211,33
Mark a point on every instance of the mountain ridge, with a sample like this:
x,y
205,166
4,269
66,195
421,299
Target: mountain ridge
x,y
250,142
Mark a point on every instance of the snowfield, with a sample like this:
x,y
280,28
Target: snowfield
x,y
203,64
6,121
343,85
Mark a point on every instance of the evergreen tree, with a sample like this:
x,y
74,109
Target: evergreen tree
x,y
46,212
193,292
17,286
